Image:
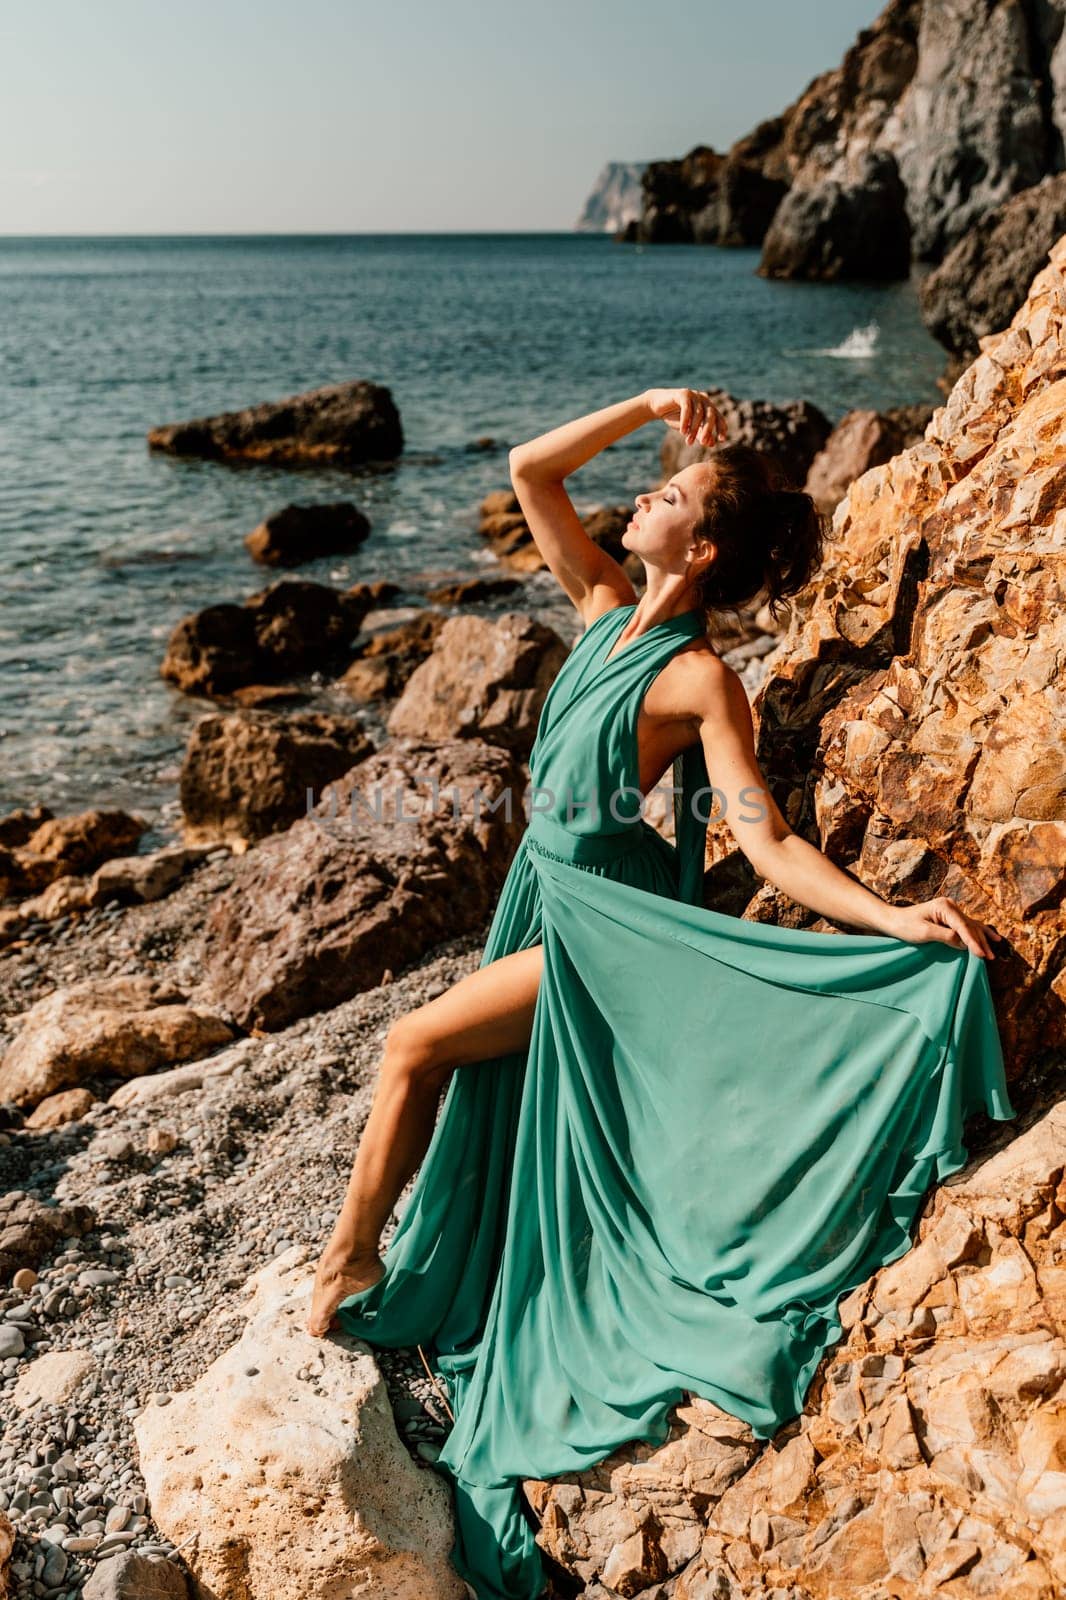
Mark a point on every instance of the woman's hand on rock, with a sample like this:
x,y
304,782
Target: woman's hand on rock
x,y
690,412
942,920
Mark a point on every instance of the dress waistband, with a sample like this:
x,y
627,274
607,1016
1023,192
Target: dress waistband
x,y
583,849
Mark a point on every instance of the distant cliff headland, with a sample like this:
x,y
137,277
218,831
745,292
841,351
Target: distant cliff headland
x,y
938,139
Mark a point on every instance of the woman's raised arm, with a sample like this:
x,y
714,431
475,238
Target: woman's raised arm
x,y
593,580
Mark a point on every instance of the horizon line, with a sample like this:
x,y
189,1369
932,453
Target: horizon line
x,y
313,233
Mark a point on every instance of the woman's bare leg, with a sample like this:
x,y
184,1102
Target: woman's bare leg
x,y
487,1013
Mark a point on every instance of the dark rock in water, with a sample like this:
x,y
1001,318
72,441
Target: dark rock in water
x,y
384,662
407,849
343,424
370,595
297,534
246,774
983,281
790,434
213,651
465,590
842,228
292,627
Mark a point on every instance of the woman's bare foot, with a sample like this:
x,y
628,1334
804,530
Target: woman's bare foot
x,y
335,1279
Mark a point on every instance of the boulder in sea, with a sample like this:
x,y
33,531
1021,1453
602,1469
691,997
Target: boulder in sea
x,y
295,534
292,627
410,847
484,679
247,773
912,717
343,424
463,591
283,1459
120,1026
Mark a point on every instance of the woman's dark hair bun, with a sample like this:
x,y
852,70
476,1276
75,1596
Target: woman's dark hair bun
x,y
768,536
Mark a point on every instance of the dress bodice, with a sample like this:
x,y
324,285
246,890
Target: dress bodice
x,y
584,764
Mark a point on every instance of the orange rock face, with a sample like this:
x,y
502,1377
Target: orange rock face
x,y
914,716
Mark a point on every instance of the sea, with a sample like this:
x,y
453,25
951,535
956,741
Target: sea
x,y
104,546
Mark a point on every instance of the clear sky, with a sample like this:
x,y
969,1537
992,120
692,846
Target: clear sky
x,y
364,116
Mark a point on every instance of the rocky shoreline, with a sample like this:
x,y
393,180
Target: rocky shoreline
x,y
190,1039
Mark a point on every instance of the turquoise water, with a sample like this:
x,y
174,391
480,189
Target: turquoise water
x,y
103,547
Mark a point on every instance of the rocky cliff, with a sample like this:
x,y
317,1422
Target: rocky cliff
x,y
615,199
939,114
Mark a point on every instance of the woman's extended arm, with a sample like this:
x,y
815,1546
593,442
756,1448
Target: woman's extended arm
x,y
742,799
539,467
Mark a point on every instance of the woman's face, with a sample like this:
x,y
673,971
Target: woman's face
x,y
660,530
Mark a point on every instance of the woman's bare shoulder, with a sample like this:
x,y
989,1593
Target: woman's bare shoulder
x,y
704,682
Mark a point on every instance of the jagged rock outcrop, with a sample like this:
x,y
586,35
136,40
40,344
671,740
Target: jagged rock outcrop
x,y
483,680
284,1460
927,1459
912,719
615,199
247,774
408,848
861,440
851,225
983,280
343,424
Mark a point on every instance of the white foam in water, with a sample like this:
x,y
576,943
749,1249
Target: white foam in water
x,y
860,344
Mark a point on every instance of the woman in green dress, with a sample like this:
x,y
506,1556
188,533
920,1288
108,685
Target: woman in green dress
x,y
677,1138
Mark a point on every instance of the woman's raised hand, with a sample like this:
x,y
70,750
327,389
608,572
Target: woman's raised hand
x,y
690,412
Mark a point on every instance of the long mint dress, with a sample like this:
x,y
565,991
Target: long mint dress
x,y
719,1128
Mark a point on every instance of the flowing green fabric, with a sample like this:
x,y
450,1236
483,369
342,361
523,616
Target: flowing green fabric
x,y
719,1128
